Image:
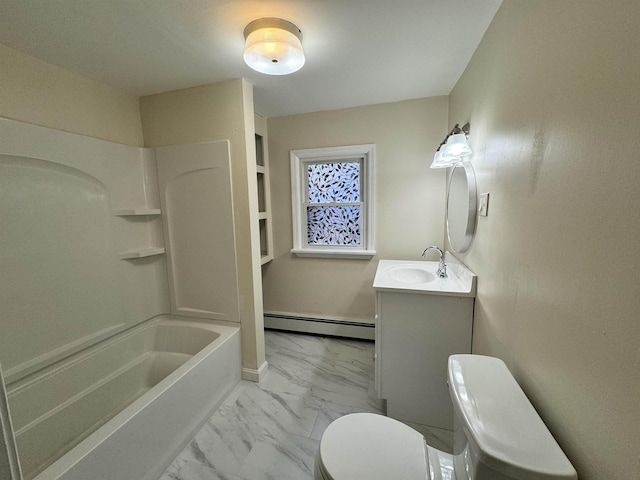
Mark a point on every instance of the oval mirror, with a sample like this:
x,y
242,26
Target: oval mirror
x,y
462,205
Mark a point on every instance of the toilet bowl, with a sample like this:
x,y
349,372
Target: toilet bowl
x,y
350,447
497,436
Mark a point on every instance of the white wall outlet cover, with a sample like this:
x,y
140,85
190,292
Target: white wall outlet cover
x,y
483,205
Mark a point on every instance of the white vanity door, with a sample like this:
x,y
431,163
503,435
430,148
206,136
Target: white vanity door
x,y
415,335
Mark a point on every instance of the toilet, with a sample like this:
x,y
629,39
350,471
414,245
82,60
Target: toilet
x,y
498,435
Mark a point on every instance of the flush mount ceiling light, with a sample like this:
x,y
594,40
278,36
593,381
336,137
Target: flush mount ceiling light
x,y
273,46
453,147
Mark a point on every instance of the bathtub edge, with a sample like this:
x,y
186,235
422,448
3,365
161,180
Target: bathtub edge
x,y
158,442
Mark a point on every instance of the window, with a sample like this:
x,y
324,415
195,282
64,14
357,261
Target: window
x,y
332,201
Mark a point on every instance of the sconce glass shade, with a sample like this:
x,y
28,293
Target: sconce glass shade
x,y
440,162
456,147
273,46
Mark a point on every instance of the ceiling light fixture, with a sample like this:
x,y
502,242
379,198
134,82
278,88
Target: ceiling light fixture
x,y
453,147
273,46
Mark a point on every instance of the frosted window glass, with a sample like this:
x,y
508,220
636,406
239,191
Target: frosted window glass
x,y
333,225
333,182
332,201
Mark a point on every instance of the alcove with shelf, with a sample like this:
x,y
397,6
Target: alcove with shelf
x,y
144,214
264,193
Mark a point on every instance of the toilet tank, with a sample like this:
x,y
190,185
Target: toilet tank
x,y
498,434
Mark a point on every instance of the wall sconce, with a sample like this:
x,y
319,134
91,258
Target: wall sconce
x,y
273,46
439,162
453,147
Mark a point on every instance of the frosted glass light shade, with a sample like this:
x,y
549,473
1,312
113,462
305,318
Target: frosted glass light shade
x,y
456,147
440,162
273,46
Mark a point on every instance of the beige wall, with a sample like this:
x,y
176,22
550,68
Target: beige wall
x,y
553,100
36,92
222,111
409,202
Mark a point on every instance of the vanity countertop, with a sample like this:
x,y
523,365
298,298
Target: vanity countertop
x,y
415,276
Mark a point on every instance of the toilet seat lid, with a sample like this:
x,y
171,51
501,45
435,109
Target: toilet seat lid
x,y
372,447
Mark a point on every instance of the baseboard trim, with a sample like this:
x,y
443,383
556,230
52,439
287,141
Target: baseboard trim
x,y
255,375
320,326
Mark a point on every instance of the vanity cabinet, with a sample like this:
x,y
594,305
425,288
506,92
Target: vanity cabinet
x,y
416,332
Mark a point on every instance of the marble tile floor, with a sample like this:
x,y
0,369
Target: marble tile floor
x,y
272,430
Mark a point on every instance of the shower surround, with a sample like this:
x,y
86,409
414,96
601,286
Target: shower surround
x,y
83,291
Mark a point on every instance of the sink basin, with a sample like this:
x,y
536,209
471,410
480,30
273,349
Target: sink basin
x,y
419,276
410,274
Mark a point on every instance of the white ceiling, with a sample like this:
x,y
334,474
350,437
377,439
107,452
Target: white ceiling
x,y
359,52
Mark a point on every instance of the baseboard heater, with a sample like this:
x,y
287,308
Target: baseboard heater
x,y
319,326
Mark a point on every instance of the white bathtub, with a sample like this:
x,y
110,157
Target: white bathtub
x,y
123,409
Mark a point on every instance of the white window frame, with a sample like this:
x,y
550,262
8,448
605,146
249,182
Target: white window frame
x,y
365,154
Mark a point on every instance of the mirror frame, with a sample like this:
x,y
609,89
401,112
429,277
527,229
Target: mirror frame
x,y
462,245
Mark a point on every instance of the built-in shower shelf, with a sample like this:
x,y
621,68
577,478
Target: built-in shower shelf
x,y
131,212
141,253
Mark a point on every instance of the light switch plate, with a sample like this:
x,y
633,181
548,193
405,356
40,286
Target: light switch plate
x,y
483,207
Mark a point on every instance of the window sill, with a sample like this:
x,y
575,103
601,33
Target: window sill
x,y
333,253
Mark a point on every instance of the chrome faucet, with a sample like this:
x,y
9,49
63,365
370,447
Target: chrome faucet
x,y
442,267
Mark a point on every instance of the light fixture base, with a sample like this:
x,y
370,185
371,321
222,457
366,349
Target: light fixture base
x,y
273,46
272,22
